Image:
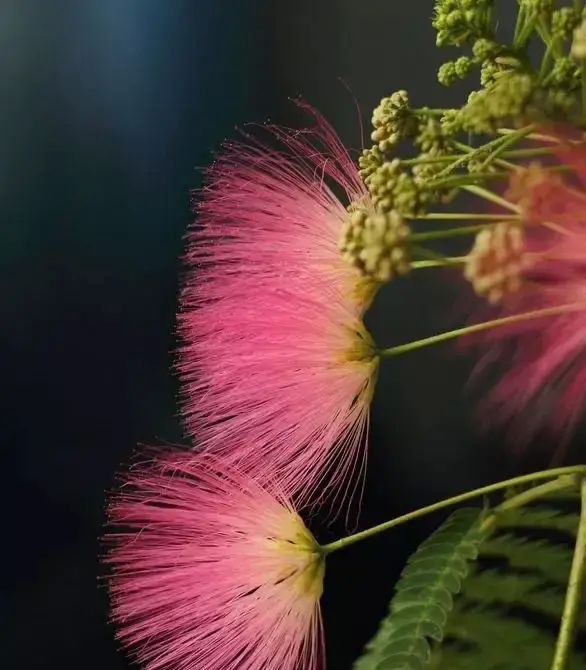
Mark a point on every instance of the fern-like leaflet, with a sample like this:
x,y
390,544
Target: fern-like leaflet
x,y
485,591
424,594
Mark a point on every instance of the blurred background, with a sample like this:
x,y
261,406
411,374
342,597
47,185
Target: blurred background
x,y
109,110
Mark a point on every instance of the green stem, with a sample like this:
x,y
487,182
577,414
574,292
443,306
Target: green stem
x,y
447,261
540,137
545,61
463,180
525,33
561,483
512,153
501,162
519,25
424,161
443,234
513,138
563,648
522,153
583,78
464,216
463,157
548,40
449,502
474,152
479,327
493,197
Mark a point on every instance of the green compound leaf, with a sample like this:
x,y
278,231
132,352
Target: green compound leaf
x,y
470,598
508,612
424,595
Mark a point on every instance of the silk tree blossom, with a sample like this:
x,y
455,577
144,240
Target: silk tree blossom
x,y
278,368
211,571
543,386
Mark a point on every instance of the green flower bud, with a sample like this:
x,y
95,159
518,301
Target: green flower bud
x,y
463,66
446,74
450,71
484,48
489,72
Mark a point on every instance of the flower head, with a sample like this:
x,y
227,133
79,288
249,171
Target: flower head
x,y
212,571
543,384
277,364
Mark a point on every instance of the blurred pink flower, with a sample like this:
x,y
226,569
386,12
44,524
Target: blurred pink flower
x,y
543,385
211,571
277,365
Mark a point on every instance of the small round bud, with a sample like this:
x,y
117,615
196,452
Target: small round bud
x,y
446,75
484,48
489,71
463,66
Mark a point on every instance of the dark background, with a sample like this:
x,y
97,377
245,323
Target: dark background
x,y
108,109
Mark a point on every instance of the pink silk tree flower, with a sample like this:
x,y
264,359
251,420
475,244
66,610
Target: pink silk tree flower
x,y
278,368
543,386
211,571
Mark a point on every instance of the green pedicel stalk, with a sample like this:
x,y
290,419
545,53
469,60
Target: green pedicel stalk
x,y
573,594
562,478
440,262
479,327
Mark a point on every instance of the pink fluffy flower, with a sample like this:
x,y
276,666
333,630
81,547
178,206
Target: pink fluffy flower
x,y
543,385
210,571
277,365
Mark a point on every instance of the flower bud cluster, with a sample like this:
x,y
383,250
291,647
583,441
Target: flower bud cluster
x,y
392,120
376,243
458,21
369,161
393,188
563,23
514,98
495,264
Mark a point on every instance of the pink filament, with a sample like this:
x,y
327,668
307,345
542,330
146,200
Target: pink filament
x,y
198,581
543,385
270,313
